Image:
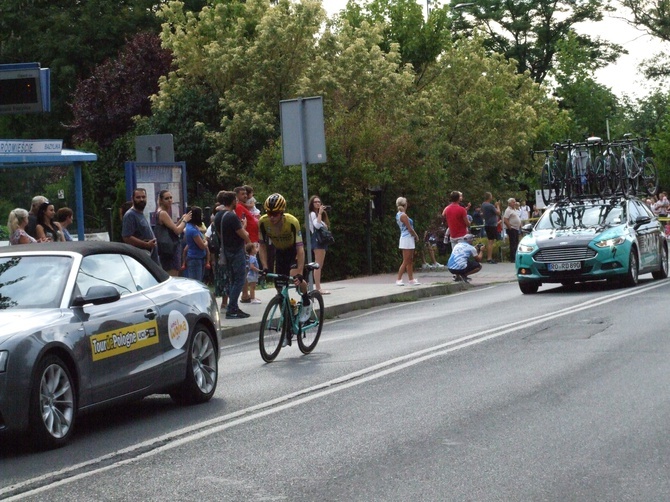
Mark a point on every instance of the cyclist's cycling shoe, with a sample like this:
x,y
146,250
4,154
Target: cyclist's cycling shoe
x,y
306,313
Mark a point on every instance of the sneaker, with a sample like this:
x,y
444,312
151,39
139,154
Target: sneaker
x,y
399,283
492,262
255,300
414,282
458,278
236,314
425,266
245,300
466,279
306,313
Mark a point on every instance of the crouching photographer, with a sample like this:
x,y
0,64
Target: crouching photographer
x,y
465,259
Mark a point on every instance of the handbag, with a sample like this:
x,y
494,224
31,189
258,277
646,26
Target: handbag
x,y
324,236
166,240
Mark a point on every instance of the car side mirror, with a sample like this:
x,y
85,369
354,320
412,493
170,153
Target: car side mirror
x,y
527,228
97,295
642,220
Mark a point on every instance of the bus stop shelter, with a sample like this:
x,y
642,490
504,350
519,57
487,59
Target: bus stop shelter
x,y
65,158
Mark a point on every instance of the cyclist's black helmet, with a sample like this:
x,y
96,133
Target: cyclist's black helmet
x,y
275,203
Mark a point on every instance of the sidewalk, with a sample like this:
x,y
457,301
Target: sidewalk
x,y
372,291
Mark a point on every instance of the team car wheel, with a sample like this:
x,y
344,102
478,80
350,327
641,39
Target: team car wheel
x,y
662,271
202,369
53,404
632,276
528,287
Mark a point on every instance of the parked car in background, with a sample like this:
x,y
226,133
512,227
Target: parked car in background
x,y
591,240
88,324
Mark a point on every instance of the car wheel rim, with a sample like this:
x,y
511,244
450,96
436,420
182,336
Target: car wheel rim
x,y
664,258
203,358
633,267
56,401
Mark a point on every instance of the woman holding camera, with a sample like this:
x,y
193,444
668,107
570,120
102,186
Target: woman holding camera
x,y
318,218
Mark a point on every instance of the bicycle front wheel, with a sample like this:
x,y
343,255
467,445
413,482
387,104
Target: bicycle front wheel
x,y
649,176
272,329
310,330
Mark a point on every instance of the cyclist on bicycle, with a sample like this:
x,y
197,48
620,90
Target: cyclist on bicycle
x,y
282,229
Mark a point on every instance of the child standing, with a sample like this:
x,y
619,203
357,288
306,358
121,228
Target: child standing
x,y
252,271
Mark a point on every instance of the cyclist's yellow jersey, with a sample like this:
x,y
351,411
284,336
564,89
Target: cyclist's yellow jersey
x,y
283,236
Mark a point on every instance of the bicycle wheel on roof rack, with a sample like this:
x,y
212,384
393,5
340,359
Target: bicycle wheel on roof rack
x,y
649,175
546,184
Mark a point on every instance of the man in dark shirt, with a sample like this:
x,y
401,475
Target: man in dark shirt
x,y
491,213
233,238
136,230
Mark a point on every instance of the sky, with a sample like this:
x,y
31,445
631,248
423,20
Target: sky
x,y
623,77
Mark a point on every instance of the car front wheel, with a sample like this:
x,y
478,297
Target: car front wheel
x,y
202,369
528,287
53,404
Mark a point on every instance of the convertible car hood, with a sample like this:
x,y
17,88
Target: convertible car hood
x,y
16,322
565,236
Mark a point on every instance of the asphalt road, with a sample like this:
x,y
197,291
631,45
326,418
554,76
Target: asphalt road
x,y
480,395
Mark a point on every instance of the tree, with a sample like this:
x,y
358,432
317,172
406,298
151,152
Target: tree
x,y
654,17
529,32
119,89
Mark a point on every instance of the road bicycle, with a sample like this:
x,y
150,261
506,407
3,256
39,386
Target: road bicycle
x,y
606,169
552,178
638,172
580,177
281,319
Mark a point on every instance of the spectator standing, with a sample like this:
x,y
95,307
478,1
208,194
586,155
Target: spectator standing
x,y
170,261
233,236
136,230
524,212
64,218
196,253
456,217
491,213
662,206
37,201
47,228
16,224
536,213
408,238
253,269
512,223
318,218
243,213
465,259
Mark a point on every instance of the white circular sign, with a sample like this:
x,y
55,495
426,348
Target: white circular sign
x,y
177,329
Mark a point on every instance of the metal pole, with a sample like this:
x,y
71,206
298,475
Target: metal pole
x,y
305,193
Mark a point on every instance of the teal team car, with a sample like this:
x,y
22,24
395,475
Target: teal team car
x,y
591,240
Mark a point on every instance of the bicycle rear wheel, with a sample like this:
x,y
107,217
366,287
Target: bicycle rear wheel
x,y
273,329
310,330
649,176
546,184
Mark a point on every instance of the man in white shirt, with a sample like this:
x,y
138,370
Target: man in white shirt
x,y
512,223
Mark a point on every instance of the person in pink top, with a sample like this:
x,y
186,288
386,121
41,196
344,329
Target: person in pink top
x,y
456,217
243,212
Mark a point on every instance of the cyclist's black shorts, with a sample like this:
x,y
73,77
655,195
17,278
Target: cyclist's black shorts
x,y
284,258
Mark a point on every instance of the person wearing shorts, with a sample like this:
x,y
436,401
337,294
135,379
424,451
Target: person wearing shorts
x,y
408,238
491,213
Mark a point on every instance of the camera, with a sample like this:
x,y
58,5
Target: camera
x,y
479,246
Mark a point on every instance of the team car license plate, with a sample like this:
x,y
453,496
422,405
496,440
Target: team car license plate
x,y
566,265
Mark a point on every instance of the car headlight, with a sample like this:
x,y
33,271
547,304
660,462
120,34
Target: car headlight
x,y
525,248
4,356
611,242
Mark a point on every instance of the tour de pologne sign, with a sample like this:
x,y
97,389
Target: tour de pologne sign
x,y
30,146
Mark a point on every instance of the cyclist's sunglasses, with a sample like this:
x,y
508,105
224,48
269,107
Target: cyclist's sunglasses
x,y
274,213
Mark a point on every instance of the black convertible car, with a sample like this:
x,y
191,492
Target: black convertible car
x,y
87,324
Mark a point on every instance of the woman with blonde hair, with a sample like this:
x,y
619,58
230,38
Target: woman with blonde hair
x,y
408,238
16,224
170,261
318,218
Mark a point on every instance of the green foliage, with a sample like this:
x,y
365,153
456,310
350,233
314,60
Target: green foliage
x,y
529,32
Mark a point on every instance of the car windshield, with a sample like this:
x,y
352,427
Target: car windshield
x,y
581,216
28,282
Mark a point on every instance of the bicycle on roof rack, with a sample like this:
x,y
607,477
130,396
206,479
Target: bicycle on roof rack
x,y
552,178
638,172
281,319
